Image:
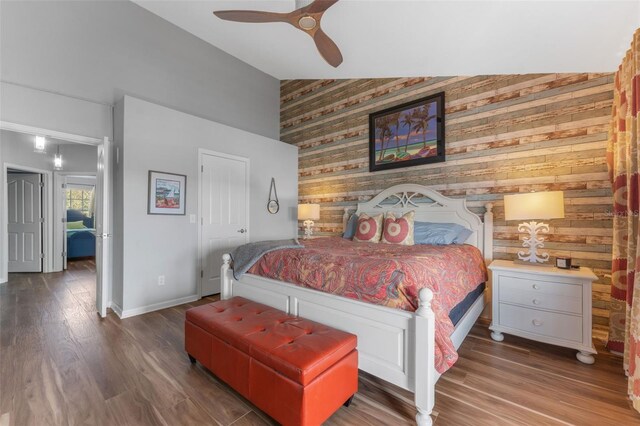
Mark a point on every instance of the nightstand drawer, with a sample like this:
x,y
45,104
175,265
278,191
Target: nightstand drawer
x,y
560,326
540,286
539,299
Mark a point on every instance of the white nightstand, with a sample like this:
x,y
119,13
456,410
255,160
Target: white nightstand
x,y
545,304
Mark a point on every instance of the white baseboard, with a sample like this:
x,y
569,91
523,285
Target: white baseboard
x,y
154,307
116,308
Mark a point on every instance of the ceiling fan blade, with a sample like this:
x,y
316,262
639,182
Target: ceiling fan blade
x,y
251,16
319,6
327,48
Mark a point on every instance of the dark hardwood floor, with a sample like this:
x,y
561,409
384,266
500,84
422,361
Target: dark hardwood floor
x,y
62,364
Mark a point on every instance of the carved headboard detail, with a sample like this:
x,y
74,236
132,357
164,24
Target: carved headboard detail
x,y
431,206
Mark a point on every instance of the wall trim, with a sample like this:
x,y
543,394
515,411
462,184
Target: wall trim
x,y
153,307
31,130
116,308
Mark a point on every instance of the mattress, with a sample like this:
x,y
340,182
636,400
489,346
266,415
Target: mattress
x,y
458,311
385,274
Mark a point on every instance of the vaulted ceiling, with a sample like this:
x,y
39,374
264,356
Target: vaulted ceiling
x,y
401,38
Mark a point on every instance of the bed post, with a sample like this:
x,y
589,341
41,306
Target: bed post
x,y
487,247
424,360
225,277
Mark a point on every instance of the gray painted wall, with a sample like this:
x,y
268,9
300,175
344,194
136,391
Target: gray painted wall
x,y
159,138
50,111
100,50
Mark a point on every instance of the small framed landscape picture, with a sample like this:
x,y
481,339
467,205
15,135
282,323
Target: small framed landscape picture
x,y
407,135
167,193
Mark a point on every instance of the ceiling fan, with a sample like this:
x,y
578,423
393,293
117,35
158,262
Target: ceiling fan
x,y
306,18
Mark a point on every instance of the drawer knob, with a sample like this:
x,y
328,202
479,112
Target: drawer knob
x,y
536,286
537,322
536,302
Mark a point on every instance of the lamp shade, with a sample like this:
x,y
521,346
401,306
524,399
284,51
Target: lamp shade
x,y
534,205
308,211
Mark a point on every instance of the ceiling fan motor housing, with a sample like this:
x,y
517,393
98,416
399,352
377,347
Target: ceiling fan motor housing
x,y
307,22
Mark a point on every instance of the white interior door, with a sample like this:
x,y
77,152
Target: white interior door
x,y
103,223
24,196
224,207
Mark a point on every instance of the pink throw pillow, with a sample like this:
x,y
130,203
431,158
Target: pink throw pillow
x,y
369,228
398,230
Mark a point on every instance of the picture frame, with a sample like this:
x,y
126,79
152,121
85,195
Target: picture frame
x,y
167,193
407,135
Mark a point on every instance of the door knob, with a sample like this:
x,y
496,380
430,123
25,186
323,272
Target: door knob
x,y
242,231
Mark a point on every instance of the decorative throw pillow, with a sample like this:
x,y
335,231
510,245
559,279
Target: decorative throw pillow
x,y
440,233
463,236
350,229
398,230
369,228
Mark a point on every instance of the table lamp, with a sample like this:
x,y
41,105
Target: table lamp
x,y
530,206
308,213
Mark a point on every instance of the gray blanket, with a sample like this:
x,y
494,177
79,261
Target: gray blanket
x,y
246,255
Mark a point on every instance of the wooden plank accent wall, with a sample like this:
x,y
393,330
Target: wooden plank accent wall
x,y
504,134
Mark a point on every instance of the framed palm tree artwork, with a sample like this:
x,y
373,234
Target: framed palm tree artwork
x,y
407,135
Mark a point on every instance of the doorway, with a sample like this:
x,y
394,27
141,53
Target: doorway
x,y
223,201
52,258
75,217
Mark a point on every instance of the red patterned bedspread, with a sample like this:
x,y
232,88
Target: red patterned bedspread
x,y
384,274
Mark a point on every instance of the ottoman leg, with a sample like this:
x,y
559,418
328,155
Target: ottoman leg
x,y
347,403
192,359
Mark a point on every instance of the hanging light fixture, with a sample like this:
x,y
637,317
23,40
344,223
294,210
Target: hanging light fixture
x,y
57,160
40,145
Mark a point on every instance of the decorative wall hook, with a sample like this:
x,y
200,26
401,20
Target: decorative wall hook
x,y
273,205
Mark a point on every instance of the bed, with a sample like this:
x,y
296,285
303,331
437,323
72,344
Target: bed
x,y
395,345
80,242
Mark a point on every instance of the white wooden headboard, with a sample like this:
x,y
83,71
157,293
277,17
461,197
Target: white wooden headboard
x,y
431,206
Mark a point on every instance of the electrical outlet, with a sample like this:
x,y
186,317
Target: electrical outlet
x,y
160,279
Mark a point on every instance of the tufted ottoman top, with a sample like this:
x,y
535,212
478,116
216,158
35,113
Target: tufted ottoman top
x,y
296,348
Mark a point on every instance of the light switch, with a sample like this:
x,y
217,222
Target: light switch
x,y
192,218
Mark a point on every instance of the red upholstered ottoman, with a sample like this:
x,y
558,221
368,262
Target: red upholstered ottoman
x,y
297,371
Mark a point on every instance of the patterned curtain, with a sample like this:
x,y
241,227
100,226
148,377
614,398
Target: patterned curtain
x,y
622,156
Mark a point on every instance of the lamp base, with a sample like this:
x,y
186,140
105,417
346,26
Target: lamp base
x,y
533,242
308,229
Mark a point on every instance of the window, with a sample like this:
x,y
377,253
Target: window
x,y
81,198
